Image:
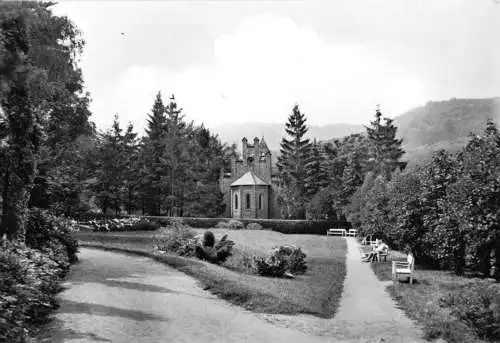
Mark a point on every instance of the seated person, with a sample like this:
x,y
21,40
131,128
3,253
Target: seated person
x,y
379,247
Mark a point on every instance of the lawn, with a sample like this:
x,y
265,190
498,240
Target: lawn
x,y
317,292
421,301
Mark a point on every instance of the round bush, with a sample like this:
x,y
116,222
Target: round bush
x,y
45,232
254,226
208,239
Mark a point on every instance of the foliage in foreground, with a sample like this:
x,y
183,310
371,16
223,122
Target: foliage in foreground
x,y
52,235
29,280
477,306
30,274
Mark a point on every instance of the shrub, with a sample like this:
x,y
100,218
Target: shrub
x,y
213,252
254,226
29,282
177,238
235,224
53,235
89,216
222,225
295,259
232,224
125,224
283,259
271,266
208,239
451,331
478,305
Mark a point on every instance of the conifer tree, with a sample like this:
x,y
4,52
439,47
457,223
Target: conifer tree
x,y
157,119
176,158
115,154
317,177
385,148
294,161
151,169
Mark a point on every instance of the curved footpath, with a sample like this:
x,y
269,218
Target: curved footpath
x,y
115,297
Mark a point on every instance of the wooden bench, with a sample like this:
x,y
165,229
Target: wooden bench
x,y
405,268
342,232
369,242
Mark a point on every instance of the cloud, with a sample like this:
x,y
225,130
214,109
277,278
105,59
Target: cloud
x,y
260,70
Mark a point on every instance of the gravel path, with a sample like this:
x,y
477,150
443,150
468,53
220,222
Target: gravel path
x,y
113,297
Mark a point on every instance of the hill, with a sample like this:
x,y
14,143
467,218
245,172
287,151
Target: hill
x,y
425,129
443,125
272,132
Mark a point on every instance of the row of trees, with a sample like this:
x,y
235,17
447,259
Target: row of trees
x,y
172,170
52,157
317,180
446,211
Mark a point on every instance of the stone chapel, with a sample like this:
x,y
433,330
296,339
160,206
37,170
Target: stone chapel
x,y
248,189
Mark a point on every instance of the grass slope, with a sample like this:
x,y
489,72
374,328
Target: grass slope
x,y
317,292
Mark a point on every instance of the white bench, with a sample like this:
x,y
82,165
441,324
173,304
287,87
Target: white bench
x,y
342,232
369,242
405,268
352,232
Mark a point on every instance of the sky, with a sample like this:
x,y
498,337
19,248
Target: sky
x,y
241,61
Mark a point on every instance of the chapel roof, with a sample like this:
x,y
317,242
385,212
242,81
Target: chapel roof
x,y
249,179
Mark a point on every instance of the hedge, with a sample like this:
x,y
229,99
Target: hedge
x,y
316,227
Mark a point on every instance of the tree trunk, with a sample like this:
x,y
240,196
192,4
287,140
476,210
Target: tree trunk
x,y
494,262
460,259
5,189
129,207
19,181
105,205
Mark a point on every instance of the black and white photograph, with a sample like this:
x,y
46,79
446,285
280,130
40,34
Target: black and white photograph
x,y
246,171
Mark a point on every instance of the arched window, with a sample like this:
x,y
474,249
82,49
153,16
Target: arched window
x,y
236,201
248,200
261,201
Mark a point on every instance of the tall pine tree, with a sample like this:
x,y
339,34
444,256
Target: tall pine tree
x,y
294,162
317,177
385,149
151,171
176,157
